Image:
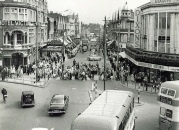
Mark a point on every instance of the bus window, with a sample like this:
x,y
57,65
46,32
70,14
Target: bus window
x,y
171,92
169,101
163,99
162,111
164,90
169,113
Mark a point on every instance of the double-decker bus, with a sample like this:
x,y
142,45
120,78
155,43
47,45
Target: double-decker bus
x,y
112,110
168,99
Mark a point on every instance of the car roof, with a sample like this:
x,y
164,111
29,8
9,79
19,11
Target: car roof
x,y
58,96
28,92
39,129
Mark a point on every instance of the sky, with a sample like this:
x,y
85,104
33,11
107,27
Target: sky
x,y
93,11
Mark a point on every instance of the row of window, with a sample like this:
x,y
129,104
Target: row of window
x,y
127,115
23,14
41,4
167,91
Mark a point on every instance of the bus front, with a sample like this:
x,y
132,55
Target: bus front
x,y
169,108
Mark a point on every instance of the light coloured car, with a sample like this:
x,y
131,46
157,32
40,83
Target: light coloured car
x,y
58,104
41,129
94,57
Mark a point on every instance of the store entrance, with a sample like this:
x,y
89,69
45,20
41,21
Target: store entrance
x,y
17,59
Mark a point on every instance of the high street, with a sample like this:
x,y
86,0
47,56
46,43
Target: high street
x,y
13,117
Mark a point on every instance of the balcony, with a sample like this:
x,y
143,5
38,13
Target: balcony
x,y
165,59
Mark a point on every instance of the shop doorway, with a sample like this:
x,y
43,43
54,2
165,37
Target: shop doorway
x,y
17,59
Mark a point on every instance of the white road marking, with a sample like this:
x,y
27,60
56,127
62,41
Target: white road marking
x,y
73,88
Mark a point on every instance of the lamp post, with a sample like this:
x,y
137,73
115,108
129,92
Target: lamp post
x,y
36,59
63,49
105,53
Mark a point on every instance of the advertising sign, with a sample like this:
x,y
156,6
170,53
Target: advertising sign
x,y
137,23
13,23
163,1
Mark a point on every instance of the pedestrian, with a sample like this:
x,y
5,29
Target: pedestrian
x,y
138,95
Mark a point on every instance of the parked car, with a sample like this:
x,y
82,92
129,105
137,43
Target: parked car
x,y
27,98
94,57
41,129
58,104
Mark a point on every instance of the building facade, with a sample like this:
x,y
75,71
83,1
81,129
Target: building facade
x,y
121,27
23,23
158,52
160,28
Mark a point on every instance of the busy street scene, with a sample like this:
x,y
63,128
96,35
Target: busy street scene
x,y
73,65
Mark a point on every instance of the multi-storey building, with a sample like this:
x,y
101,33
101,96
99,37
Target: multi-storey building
x,y
23,23
121,27
85,30
156,46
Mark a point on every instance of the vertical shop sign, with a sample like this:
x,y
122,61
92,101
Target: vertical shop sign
x,y
137,23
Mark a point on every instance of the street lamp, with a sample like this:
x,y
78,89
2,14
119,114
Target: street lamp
x,y
63,48
105,26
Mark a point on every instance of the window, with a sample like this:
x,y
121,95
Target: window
x,y
169,113
6,10
164,90
171,92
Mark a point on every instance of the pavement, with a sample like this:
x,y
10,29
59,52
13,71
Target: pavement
x,y
30,79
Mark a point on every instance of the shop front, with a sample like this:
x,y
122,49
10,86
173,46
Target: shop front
x,y
15,58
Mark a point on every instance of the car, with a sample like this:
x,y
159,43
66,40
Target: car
x,y
58,104
94,57
27,98
41,129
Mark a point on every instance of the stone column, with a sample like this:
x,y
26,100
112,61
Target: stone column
x,y
172,33
151,32
177,38
147,32
15,39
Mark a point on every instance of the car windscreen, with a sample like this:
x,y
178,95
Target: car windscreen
x,y
28,98
57,101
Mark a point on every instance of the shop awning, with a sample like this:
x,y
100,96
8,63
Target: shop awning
x,y
65,43
110,42
122,54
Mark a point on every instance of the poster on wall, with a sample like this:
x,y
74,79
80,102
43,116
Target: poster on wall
x,y
137,23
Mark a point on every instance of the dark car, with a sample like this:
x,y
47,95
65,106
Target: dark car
x,y
27,98
58,104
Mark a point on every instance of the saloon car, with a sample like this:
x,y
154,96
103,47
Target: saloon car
x,y
94,57
27,98
58,104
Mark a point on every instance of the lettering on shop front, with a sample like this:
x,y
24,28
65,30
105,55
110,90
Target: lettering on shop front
x,y
13,23
137,22
163,1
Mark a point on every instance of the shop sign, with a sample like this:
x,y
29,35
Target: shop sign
x,y
13,23
137,22
163,1
148,65
174,69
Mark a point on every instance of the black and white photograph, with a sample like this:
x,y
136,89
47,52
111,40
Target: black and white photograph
x,y
89,64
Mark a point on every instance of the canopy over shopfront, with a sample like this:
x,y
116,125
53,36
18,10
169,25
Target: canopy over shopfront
x,y
55,43
122,54
109,43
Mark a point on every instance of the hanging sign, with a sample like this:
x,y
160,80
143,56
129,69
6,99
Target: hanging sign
x,y
137,22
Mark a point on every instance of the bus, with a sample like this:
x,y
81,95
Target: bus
x,y
168,99
112,110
